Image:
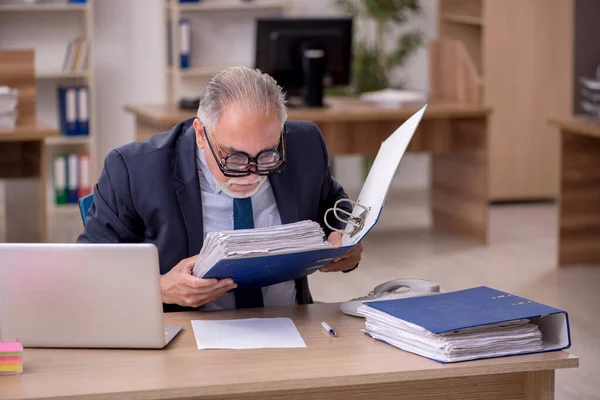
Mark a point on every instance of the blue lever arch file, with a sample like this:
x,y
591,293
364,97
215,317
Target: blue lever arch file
x,y
268,268
453,312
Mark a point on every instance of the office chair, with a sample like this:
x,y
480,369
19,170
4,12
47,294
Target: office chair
x,y
84,205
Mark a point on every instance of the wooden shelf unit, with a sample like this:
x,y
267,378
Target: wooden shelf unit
x,y
515,57
174,11
462,19
49,77
58,74
39,7
229,5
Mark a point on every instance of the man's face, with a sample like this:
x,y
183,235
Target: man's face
x,y
239,130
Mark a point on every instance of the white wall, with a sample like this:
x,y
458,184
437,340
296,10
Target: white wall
x,y
130,67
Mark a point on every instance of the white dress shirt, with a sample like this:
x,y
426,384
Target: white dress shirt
x,y
217,215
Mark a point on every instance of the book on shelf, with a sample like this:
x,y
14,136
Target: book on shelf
x,y
73,110
76,56
71,177
185,43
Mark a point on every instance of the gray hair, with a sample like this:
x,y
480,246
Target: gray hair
x,y
245,87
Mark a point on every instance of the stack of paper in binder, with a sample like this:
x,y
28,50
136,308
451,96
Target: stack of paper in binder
x,y
73,110
468,324
71,177
222,251
11,358
8,107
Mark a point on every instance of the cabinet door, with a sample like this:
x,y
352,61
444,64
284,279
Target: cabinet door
x,y
527,71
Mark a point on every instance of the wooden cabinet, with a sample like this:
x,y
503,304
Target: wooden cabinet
x,y
516,57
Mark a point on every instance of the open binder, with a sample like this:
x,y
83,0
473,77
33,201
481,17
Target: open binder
x,y
264,268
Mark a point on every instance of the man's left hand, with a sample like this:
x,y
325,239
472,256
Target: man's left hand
x,y
346,261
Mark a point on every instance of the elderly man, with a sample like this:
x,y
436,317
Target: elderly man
x,y
238,164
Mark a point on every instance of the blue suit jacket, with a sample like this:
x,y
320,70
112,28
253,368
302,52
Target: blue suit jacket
x,y
150,192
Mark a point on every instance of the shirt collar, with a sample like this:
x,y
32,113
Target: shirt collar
x,y
203,168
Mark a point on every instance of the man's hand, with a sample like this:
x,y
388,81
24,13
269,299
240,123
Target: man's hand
x,y
347,260
179,286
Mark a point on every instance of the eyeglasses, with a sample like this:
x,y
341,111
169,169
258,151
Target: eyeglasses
x,y
238,163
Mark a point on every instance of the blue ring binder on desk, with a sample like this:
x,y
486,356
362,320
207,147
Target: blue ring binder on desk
x,y
264,267
472,324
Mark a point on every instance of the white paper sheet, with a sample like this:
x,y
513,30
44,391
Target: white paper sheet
x,y
251,333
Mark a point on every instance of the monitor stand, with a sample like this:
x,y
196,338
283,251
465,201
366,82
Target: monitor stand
x,y
313,68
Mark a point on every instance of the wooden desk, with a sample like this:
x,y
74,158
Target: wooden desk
x,y
454,134
579,212
350,365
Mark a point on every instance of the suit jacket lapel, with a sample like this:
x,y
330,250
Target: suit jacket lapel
x,y
188,194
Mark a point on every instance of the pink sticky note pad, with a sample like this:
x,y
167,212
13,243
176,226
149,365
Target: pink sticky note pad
x,y
11,347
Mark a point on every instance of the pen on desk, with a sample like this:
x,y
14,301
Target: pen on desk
x,y
328,328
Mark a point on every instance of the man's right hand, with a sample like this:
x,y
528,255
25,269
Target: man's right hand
x,y
179,286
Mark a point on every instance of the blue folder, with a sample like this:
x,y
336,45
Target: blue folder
x,y
479,306
265,270
272,269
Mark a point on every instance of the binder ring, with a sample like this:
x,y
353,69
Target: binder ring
x,y
357,221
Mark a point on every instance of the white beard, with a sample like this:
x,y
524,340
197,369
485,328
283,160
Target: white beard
x,y
241,181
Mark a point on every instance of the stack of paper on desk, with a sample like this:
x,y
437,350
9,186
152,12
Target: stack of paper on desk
x,y
466,325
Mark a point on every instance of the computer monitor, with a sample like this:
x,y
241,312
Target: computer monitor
x,y
305,54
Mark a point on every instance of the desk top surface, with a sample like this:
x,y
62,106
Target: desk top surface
x,y
582,124
27,133
338,109
182,370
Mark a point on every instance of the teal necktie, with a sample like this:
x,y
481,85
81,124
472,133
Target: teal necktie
x,y
243,219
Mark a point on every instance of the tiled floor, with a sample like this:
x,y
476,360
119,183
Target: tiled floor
x,y
520,258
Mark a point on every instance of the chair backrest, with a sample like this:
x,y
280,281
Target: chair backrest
x,y
84,205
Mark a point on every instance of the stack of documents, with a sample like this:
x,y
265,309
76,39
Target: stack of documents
x,y
11,358
8,107
247,243
590,90
467,325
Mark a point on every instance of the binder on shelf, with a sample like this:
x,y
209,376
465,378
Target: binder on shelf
x,y
470,324
185,29
224,255
72,178
59,178
85,186
67,108
169,44
73,109
83,118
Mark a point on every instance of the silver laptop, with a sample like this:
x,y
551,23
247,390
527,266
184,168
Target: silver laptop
x,y
82,296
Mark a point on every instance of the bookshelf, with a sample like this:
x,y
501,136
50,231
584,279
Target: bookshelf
x,y
48,28
41,7
515,57
212,22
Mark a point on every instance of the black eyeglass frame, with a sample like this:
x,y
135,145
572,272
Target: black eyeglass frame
x,y
252,161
